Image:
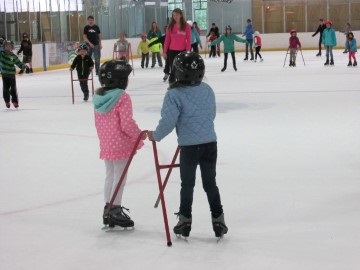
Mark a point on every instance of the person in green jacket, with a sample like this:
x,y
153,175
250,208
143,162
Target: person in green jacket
x,y
143,50
8,60
329,41
228,38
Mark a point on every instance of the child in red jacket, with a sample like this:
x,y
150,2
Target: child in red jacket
x,y
294,45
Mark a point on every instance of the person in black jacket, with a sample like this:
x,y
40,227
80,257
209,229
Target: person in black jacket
x,y
320,30
26,49
84,65
215,29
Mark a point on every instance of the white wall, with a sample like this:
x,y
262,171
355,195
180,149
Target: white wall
x,y
277,41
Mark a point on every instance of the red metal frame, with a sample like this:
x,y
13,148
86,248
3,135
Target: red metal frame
x,y
161,184
72,84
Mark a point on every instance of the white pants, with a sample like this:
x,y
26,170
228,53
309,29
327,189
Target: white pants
x,y
114,170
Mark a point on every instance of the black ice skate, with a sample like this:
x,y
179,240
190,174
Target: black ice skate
x,y
331,62
327,62
106,215
223,69
349,64
183,227
219,226
117,217
7,104
355,64
86,96
166,77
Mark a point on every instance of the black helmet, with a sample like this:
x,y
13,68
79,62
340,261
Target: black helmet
x,y
83,46
114,74
189,67
25,35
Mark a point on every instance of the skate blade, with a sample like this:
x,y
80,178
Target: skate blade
x,y
118,229
219,238
185,238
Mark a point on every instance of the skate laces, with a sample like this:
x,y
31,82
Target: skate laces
x,y
123,213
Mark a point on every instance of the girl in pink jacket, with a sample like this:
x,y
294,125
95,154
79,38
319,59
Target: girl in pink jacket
x,y
117,132
177,40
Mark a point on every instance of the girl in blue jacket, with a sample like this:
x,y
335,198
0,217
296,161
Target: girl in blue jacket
x,y
189,107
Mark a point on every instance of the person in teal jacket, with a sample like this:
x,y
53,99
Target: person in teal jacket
x,y
329,41
228,38
195,38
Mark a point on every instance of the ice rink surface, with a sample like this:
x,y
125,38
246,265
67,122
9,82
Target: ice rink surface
x,y
288,172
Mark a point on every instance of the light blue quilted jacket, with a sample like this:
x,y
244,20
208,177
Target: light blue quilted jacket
x,y
191,110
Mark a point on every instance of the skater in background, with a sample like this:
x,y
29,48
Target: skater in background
x,y
228,38
143,50
294,46
117,132
177,40
83,65
329,41
198,30
162,41
347,30
351,47
189,107
8,60
154,31
248,34
215,29
195,38
26,49
121,47
211,38
319,31
155,53
92,36
257,45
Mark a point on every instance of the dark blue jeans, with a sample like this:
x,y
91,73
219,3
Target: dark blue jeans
x,y
191,156
97,55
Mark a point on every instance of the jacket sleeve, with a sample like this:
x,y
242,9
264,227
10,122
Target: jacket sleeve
x,y
74,63
21,48
218,40
167,40
127,123
317,31
239,39
170,113
197,37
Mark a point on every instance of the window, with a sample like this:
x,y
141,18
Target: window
x,y
200,13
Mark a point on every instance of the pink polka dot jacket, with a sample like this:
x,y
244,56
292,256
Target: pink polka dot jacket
x,y
115,126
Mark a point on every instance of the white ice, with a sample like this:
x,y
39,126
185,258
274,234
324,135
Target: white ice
x,y
288,172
